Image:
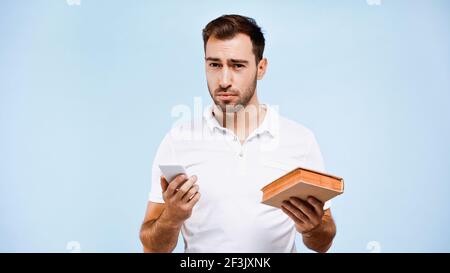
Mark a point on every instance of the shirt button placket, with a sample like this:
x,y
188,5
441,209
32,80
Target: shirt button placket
x,y
242,161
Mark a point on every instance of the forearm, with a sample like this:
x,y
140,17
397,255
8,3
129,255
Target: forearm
x,y
160,235
321,238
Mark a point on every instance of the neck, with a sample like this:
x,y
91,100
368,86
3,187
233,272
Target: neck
x,y
243,122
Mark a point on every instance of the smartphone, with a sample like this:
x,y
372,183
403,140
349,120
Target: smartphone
x,y
171,171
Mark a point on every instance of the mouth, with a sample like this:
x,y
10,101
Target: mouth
x,y
225,96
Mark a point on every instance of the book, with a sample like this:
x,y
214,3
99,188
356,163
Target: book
x,y
302,183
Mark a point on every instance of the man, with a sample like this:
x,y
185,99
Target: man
x,y
243,145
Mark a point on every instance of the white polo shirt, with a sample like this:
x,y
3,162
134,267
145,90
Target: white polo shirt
x,y
229,216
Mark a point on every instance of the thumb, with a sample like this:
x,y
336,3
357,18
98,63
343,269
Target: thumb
x,y
164,184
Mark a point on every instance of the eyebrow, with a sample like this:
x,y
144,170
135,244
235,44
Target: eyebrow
x,y
230,60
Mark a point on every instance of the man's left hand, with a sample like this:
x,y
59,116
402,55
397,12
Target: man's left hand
x,y
307,215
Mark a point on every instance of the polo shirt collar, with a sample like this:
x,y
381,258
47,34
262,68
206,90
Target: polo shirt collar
x,y
269,125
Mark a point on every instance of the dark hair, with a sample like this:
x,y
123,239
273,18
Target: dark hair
x,y
227,26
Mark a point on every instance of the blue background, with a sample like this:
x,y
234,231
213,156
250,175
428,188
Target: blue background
x,y
86,94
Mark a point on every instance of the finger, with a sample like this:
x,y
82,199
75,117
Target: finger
x,y
194,199
164,184
304,207
185,187
316,204
292,216
190,193
175,183
296,212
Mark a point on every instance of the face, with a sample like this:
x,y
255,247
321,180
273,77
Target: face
x,y
231,72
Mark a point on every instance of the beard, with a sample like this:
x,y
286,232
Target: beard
x,y
243,98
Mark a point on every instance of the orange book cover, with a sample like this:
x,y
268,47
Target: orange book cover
x,y
302,183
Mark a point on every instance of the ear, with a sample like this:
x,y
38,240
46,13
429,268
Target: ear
x,y
262,66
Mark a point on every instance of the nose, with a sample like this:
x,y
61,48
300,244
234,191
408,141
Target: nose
x,y
225,78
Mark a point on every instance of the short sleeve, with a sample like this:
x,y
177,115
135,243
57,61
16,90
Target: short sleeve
x,y
164,155
315,161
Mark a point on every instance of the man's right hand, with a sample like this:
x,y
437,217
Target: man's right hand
x,y
180,196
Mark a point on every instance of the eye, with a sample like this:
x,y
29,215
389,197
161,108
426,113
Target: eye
x,y
214,65
238,66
